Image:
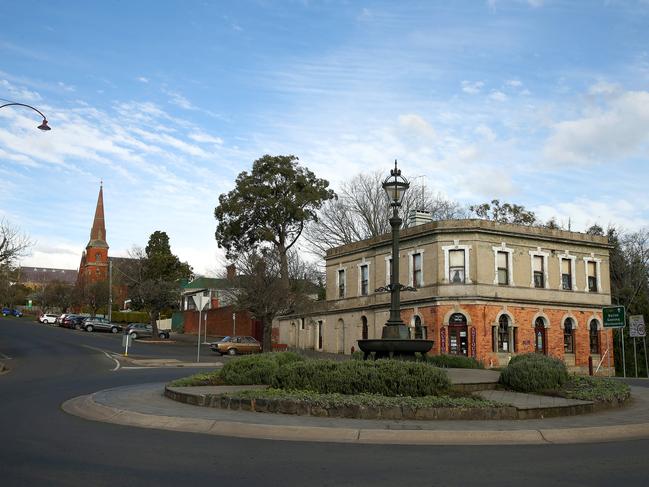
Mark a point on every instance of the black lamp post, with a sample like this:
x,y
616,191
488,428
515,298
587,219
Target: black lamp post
x,y
43,126
395,186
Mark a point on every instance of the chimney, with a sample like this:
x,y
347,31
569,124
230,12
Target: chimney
x,y
232,271
418,217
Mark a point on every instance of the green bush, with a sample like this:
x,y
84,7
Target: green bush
x,y
534,372
203,379
130,317
256,369
598,389
453,361
384,377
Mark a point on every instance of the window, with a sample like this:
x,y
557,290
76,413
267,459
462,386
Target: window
x,y
341,283
365,279
417,280
591,269
420,332
456,273
594,337
568,336
364,328
503,334
539,271
503,267
539,335
566,274
97,256
388,270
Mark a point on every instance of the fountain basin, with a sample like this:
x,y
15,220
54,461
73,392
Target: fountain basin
x,y
394,347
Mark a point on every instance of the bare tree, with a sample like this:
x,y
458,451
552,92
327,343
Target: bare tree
x,y
362,211
14,244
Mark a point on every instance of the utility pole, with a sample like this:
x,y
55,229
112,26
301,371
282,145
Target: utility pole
x,y
110,289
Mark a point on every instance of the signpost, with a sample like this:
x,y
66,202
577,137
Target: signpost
x,y
127,339
201,300
637,330
614,317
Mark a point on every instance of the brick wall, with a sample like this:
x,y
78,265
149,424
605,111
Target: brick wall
x,y
219,322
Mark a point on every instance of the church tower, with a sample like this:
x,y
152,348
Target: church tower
x,y
94,260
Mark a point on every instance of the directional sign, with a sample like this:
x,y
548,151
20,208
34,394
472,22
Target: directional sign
x,y
613,317
636,326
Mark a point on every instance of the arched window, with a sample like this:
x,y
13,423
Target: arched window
x,y
539,335
568,336
364,332
503,333
419,330
594,337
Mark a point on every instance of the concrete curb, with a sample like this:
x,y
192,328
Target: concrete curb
x,y
86,407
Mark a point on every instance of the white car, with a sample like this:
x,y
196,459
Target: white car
x,y
48,318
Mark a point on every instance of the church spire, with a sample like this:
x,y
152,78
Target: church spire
x,y
98,232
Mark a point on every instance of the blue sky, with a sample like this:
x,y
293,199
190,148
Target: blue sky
x,y
539,102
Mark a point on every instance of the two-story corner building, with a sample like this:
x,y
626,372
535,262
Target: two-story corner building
x,y
484,290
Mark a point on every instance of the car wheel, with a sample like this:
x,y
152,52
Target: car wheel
x,y
162,335
114,329
89,328
232,351
77,327
134,335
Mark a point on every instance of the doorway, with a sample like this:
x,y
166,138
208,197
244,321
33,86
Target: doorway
x,y
458,335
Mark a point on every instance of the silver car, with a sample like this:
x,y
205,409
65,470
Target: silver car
x,y
100,324
143,330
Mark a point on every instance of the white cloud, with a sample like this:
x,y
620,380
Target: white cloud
x,y
485,133
619,130
142,79
19,94
202,137
472,88
583,213
498,96
416,123
514,83
179,100
65,87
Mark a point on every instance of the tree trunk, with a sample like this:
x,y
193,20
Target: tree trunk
x,y
153,320
283,268
267,326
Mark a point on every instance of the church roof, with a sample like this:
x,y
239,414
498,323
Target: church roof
x,y
98,231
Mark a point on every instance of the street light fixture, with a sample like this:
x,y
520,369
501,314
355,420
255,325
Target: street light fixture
x,y
43,126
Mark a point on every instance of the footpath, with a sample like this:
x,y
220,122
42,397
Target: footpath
x,y
146,406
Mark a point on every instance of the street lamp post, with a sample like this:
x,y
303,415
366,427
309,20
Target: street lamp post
x,y
43,126
395,186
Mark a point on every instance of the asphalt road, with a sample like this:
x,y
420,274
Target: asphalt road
x,y
42,445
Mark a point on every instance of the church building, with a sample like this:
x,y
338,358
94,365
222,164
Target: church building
x,y
94,260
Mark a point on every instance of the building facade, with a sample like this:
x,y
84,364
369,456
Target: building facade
x,y
94,260
484,290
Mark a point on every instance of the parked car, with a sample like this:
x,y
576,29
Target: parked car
x,y
100,324
143,330
235,345
11,312
73,321
48,318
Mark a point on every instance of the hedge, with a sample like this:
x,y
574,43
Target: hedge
x,y
453,361
256,369
534,372
130,317
384,377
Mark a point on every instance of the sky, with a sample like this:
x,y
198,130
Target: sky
x,y
543,103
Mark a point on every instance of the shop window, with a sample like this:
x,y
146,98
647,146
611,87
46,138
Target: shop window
x,y
568,336
591,269
593,335
503,334
566,274
503,268
417,280
365,279
420,331
341,283
457,271
539,271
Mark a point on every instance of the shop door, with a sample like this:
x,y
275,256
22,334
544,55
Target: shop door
x,y
458,340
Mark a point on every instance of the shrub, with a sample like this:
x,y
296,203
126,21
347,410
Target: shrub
x,y
597,389
534,372
202,379
256,369
130,317
384,377
453,361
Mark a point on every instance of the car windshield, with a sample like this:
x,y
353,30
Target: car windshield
x,y
227,339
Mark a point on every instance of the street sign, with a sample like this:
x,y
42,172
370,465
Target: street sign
x,y
613,317
636,326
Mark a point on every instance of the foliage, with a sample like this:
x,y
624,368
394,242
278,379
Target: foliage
x,y
130,316
504,213
202,379
94,295
453,361
13,244
534,372
385,377
363,399
361,211
256,369
269,205
598,389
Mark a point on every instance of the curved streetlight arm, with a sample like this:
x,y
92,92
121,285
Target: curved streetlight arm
x,y
43,126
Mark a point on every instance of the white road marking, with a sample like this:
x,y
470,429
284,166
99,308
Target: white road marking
x,y
108,355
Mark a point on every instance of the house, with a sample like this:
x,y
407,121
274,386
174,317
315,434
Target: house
x,y
484,290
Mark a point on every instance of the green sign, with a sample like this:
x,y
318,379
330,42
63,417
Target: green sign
x,y
613,317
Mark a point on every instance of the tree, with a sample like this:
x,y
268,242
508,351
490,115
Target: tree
x,y
57,294
13,244
270,205
154,277
94,295
504,213
258,287
361,211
